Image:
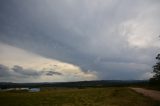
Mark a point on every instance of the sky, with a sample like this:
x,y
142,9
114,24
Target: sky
x,y
78,40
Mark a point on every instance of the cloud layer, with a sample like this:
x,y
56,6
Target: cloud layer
x,y
18,70
18,65
116,39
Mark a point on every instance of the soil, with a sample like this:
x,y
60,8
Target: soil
x,y
150,93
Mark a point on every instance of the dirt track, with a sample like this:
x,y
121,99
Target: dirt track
x,y
151,93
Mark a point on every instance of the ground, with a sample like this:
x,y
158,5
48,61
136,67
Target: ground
x,y
150,93
111,96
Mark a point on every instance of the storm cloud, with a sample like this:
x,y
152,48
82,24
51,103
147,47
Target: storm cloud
x,y
4,71
31,72
18,71
116,39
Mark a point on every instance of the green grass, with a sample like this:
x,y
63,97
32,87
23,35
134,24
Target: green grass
x,y
111,96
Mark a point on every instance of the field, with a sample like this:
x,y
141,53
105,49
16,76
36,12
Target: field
x,y
111,96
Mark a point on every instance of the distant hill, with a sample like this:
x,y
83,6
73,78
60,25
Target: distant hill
x,y
80,84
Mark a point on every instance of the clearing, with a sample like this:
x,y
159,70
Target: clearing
x,y
151,93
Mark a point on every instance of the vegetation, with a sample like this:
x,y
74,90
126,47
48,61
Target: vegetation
x,y
110,96
156,70
79,84
155,80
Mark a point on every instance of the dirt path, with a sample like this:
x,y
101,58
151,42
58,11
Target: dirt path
x,y
151,93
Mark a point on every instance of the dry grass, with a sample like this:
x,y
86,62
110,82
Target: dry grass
x,y
112,96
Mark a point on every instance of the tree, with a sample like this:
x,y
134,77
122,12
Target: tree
x,y
156,70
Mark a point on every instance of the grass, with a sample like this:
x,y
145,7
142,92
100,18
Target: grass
x,y
111,96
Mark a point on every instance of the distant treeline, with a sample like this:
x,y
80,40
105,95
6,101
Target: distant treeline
x,y
80,84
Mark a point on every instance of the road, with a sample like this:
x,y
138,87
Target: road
x,y
150,93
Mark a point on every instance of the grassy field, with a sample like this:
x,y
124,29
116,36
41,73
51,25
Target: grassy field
x,y
111,96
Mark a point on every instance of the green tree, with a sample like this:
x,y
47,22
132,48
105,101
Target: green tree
x,y
156,71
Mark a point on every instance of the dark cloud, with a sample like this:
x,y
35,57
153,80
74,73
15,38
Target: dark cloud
x,y
51,73
88,34
26,72
21,72
4,71
31,72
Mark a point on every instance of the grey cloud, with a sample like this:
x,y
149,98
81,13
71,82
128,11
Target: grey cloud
x,y
18,71
4,71
51,73
31,72
26,72
86,33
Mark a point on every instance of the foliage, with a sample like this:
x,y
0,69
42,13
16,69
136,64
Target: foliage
x,y
156,71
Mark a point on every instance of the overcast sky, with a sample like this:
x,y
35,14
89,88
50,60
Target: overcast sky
x,y
74,40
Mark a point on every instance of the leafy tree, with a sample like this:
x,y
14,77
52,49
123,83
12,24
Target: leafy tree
x,y
156,71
